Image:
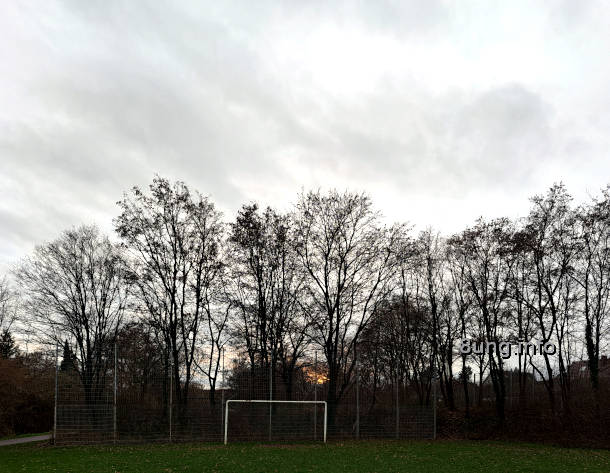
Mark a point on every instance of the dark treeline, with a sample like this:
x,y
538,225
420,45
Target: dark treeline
x,y
181,284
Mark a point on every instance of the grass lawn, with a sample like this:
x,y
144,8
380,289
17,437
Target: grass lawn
x,y
371,456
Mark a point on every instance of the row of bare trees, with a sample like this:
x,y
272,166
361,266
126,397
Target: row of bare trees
x,y
329,275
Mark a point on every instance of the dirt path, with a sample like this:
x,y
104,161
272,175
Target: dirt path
x,y
37,438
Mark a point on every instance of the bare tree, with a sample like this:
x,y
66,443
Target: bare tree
x,y
592,273
217,305
348,260
522,300
553,245
444,323
415,339
77,287
174,238
8,313
488,248
461,303
267,287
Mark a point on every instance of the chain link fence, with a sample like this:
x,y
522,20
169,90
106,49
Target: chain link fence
x,y
135,400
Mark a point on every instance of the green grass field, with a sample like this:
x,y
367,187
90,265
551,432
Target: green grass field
x,y
373,456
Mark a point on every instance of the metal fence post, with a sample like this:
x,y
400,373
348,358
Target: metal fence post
x,y
397,408
115,392
227,420
270,392
325,420
533,383
315,396
222,395
474,389
510,384
56,393
357,396
434,410
171,392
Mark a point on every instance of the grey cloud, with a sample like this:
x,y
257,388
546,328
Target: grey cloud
x,y
504,133
496,135
100,96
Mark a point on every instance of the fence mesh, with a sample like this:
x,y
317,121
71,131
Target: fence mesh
x,y
138,401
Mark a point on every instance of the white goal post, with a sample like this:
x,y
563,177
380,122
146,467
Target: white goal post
x,y
261,401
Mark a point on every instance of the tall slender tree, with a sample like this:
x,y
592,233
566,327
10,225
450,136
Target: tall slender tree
x,y
488,267
174,238
267,288
348,259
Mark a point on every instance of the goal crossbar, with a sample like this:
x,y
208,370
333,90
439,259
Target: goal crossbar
x,y
262,401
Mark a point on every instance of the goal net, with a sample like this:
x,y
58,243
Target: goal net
x,y
275,421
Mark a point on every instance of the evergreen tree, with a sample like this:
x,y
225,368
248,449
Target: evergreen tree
x,y
8,347
68,362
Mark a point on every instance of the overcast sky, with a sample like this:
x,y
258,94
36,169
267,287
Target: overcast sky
x,y
441,111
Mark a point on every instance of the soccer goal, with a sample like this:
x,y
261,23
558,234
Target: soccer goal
x,y
275,420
